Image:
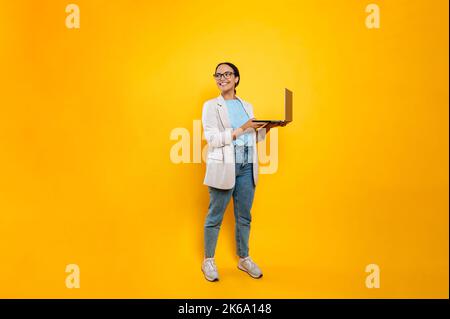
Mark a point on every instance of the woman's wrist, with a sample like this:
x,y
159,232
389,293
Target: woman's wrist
x,y
237,132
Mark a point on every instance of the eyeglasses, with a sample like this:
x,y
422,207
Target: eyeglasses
x,y
218,76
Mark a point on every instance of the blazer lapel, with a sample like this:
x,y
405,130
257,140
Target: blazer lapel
x,y
223,113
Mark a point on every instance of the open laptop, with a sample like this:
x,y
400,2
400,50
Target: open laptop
x,y
287,110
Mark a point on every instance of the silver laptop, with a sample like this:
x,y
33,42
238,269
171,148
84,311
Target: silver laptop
x,y
287,110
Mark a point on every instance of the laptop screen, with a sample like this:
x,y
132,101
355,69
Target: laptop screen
x,y
288,105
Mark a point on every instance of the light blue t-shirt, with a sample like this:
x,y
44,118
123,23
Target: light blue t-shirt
x,y
237,116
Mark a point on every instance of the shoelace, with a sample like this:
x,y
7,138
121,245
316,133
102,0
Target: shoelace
x,y
249,262
210,264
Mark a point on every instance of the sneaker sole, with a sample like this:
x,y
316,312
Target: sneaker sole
x,y
245,270
209,279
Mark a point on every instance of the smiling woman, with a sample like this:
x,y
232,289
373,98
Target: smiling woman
x,y
226,83
231,167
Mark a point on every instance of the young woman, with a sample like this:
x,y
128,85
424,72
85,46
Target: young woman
x,y
231,167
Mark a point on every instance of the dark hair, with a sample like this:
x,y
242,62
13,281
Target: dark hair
x,y
235,70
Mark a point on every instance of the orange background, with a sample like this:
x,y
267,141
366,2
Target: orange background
x,y
86,176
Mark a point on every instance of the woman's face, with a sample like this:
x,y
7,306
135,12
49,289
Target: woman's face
x,y
225,79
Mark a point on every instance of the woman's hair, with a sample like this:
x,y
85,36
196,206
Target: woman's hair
x,y
235,70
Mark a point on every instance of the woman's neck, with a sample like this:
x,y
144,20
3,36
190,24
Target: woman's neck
x,y
229,95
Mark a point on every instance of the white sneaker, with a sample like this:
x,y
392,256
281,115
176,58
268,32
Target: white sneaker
x,y
209,269
246,264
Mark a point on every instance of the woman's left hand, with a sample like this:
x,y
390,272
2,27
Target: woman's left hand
x,y
268,126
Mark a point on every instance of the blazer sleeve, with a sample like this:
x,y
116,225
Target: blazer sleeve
x,y
213,135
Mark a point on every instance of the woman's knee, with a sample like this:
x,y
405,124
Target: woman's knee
x,y
244,219
213,221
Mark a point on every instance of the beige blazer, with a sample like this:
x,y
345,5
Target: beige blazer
x,y
220,161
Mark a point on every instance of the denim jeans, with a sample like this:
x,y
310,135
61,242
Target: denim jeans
x,y
243,193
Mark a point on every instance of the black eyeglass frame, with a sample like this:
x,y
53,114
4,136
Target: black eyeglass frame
x,y
218,76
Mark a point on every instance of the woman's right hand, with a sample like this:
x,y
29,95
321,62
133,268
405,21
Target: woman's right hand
x,y
251,124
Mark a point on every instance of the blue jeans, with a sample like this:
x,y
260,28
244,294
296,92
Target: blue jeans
x,y
243,193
